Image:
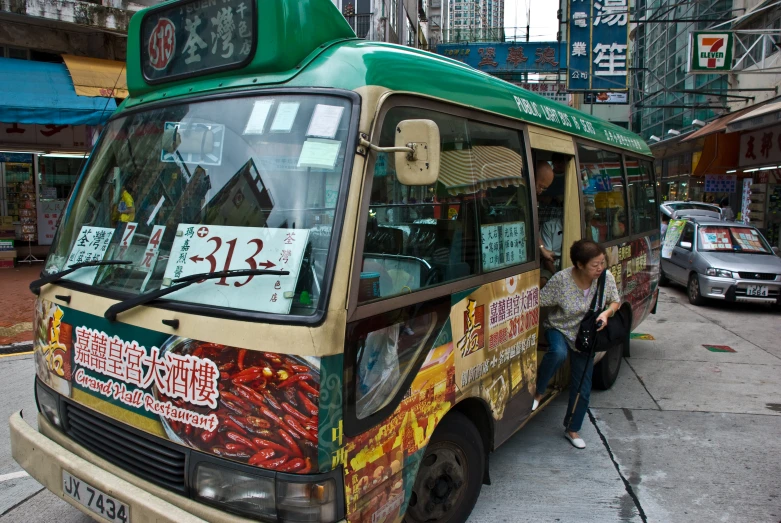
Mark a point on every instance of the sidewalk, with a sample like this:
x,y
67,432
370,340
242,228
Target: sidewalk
x,y
16,309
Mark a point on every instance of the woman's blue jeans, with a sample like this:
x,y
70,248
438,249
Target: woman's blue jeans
x,y
553,359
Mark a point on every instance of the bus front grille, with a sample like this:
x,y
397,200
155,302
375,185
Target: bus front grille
x,y
142,455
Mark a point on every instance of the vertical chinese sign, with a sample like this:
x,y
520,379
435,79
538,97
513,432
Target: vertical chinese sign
x,y
598,40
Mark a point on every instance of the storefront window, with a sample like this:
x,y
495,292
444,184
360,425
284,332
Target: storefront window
x,y
18,194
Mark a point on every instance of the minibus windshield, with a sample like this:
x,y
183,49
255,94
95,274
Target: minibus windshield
x,y
248,183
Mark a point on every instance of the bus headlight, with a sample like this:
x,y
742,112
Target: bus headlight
x,y
276,497
48,404
236,491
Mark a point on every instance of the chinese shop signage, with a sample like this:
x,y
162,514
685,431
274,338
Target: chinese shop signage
x,y
197,37
761,147
508,57
710,52
597,40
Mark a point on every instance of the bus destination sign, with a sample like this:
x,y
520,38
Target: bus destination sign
x,y
197,37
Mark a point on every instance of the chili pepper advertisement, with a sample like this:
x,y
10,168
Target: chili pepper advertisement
x,y
495,329
254,407
380,464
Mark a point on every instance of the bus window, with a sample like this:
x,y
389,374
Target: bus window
x,y
603,194
503,199
642,195
423,235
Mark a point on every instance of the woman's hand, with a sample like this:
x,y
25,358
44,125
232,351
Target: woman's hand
x,y
602,319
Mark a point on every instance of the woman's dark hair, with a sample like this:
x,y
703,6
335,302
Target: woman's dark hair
x,y
582,251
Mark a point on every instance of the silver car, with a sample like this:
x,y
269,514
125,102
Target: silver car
x,y
723,261
676,210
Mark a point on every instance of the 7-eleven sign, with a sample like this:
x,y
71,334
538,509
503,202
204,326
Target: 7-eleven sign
x,y
710,52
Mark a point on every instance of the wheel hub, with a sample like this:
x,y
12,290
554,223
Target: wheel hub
x,y
439,484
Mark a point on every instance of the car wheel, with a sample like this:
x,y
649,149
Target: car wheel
x,y
606,371
695,297
450,475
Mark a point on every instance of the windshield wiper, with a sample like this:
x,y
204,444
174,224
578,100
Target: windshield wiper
x,y
35,286
181,283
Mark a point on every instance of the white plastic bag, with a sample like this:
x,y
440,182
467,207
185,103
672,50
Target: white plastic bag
x,y
378,370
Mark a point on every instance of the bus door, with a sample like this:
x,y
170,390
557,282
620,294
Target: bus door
x,y
558,210
443,308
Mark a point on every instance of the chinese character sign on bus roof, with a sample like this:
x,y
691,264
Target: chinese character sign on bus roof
x,y
197,37
597,45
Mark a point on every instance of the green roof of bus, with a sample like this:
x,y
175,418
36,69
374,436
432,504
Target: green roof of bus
x,y
330,56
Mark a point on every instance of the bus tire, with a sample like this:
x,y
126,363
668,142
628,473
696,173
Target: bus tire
x,y
606,371
450,476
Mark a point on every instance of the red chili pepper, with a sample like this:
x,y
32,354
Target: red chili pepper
x,y
258,423
227,366
249,374
270,415
259,383
207,436
295,379
230,424
292,465
198,352
272,463
236,447
261,455
238,438
308,405
175,425
266,444
290,410
311,425
249,394
272,401
288,439
272,356
242,355
224,376
188,429
232,407
295,425
300,368
306,387
240,422
237,400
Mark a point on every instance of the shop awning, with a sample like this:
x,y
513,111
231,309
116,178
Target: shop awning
x,y
96,77
465,171
719,154
42,93
767,114
717,125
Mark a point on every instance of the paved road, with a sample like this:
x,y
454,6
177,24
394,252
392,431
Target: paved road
x,y
685,435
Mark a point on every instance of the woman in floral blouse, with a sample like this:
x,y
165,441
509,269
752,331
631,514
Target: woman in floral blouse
x,y
570,292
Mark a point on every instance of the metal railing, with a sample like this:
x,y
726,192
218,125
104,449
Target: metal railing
x,y
361,24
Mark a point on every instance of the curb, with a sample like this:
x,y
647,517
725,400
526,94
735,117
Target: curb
x,y
14,348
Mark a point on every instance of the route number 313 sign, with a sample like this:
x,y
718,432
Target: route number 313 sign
x,y
211,248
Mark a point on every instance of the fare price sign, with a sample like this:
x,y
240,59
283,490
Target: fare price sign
x,y
211,248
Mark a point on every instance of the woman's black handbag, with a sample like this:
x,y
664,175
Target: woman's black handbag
x,y
588,339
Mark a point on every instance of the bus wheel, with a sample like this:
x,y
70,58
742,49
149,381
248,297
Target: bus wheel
x,y
450,474
606,371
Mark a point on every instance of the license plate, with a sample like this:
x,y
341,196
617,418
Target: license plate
x,y
756,290
96,500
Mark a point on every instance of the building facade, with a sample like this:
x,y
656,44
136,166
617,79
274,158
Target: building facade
x,y
51,108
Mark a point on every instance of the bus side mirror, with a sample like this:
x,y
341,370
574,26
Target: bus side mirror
x,y
421,166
